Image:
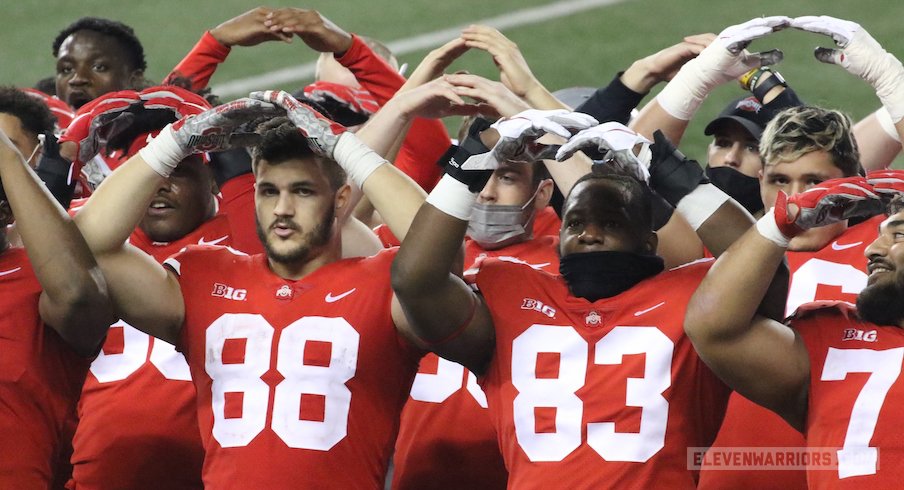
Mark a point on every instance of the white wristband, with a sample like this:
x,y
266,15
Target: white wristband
x,y
356,158
453,198
700,204
163,153
768,229
887,125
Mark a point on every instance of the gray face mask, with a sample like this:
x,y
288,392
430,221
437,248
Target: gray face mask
x,y
495,226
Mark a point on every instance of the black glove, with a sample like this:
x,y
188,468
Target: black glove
x,y
54,171
673,175
456,156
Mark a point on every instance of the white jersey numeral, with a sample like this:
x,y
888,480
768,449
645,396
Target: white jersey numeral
x,y
449,378
816,272
560,392
242,381
857,457
119,366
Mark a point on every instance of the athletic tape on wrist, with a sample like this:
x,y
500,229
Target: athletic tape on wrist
x,y
701,203
163,153
768,229
889,86
452,197
356,158
683,95
887,124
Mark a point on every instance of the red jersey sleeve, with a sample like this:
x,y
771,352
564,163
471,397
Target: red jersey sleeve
x,y
201,62
427,139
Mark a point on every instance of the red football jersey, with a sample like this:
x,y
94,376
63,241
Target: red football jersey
x,y
547,222
138,424
446,439
40,380
836,272
854,399
299,383
608,394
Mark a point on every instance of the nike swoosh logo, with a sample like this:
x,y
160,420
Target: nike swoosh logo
x,y
837,246
641,312
332,299
212,242
4,273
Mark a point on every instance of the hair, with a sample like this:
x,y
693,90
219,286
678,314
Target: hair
x,y
638,196
281,140
381,50
124,34
896,205
32,112
799,130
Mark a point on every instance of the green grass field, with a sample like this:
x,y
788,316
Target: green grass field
x,y
583,49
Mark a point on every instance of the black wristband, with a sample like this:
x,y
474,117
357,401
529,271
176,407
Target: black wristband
x,y
614,102
673,175
759,91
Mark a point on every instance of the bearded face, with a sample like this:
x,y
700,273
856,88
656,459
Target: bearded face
x,y
882,301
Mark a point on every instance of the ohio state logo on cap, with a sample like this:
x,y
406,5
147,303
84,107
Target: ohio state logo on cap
x,y
749,104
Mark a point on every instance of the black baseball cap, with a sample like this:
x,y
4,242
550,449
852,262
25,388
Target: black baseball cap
x,y
746,111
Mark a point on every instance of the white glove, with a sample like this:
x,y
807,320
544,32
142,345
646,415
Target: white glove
x,y
861,55
617,144
519,133
725,59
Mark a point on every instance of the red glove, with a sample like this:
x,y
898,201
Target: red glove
x,y
357,100
888,183
60,110
830,202
97,121
169,97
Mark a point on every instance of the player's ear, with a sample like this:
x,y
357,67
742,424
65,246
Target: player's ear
x,y
341,200
544,194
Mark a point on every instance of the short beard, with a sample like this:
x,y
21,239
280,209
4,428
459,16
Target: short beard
x,y
316,238
883,304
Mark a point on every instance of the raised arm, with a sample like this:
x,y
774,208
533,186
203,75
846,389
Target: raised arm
x,y
449,317
863,57
74,300
514,71
878,140
146,295
247,29
725,59
759,357
615,101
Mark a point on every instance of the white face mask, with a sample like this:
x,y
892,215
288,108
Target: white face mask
x,y
495,226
